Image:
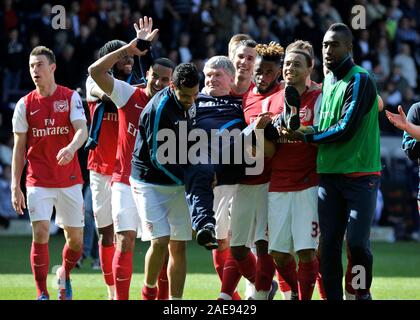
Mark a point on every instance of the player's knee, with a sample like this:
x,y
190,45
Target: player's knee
x,y
40,232
281,259
306,255
160,244
223,244
239,253
262,247
106,236
126,240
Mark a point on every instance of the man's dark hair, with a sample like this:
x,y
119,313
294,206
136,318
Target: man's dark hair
x,y
185,75
164,62
110,46
272,52
41,50
343,29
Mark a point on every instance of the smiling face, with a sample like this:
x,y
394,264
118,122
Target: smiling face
x,y
295,69
334,49
243,61
42,71
217,81
266,74
158,77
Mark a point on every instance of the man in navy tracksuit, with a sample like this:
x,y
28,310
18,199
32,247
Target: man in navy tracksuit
x,y
157,182
218,116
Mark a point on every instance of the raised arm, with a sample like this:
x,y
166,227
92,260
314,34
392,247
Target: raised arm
x,y
99,69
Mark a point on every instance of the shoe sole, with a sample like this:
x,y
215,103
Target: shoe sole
x,y
292,98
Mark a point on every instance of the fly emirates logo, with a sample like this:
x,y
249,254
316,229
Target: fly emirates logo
x,y
50,129
131,129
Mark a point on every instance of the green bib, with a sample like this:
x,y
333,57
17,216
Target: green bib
x,y
362,152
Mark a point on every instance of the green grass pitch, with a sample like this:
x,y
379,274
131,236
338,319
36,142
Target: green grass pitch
x,y
396,272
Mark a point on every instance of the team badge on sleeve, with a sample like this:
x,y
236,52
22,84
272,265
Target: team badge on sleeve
x,y
61,106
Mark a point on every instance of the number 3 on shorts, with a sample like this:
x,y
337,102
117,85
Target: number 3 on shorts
x,y
315,229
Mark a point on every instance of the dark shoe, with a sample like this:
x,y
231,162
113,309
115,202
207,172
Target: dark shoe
x,y
206,237
366,296
291,108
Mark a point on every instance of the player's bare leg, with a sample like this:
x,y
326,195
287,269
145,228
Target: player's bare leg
x,y
286,267
177,269
153,263
106,255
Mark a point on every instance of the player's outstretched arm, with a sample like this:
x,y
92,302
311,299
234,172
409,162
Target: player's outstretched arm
x,y
400,121
18,162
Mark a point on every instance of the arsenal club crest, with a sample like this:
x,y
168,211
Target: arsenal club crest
x,y
61,106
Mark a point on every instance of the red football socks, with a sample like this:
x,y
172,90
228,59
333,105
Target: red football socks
x,y
219,259
163,284
40,261
307,274
289,274
148,293
264,272
122,268
231,277
247,267
106,255
70,259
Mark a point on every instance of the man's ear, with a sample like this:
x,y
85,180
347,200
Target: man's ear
x,y
53,67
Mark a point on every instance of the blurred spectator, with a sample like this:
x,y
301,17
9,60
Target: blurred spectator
x,y
179,15
374,11
407,64
6,209
10,16
223,23
265,36
183,48
394,12
363,54
382,69
406,33
13,54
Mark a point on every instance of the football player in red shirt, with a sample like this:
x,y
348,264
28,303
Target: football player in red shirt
x,y
49,126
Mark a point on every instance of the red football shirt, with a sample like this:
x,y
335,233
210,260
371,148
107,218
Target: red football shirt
x,y
253,104
102,158
293,166
130,102
48,124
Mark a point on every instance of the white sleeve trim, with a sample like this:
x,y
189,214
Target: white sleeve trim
x,y
90,83
19,120
77,112
121,93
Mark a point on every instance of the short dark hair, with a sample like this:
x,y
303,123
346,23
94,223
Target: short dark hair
x,y
41,50
343,29
185,75
164,62
110,46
